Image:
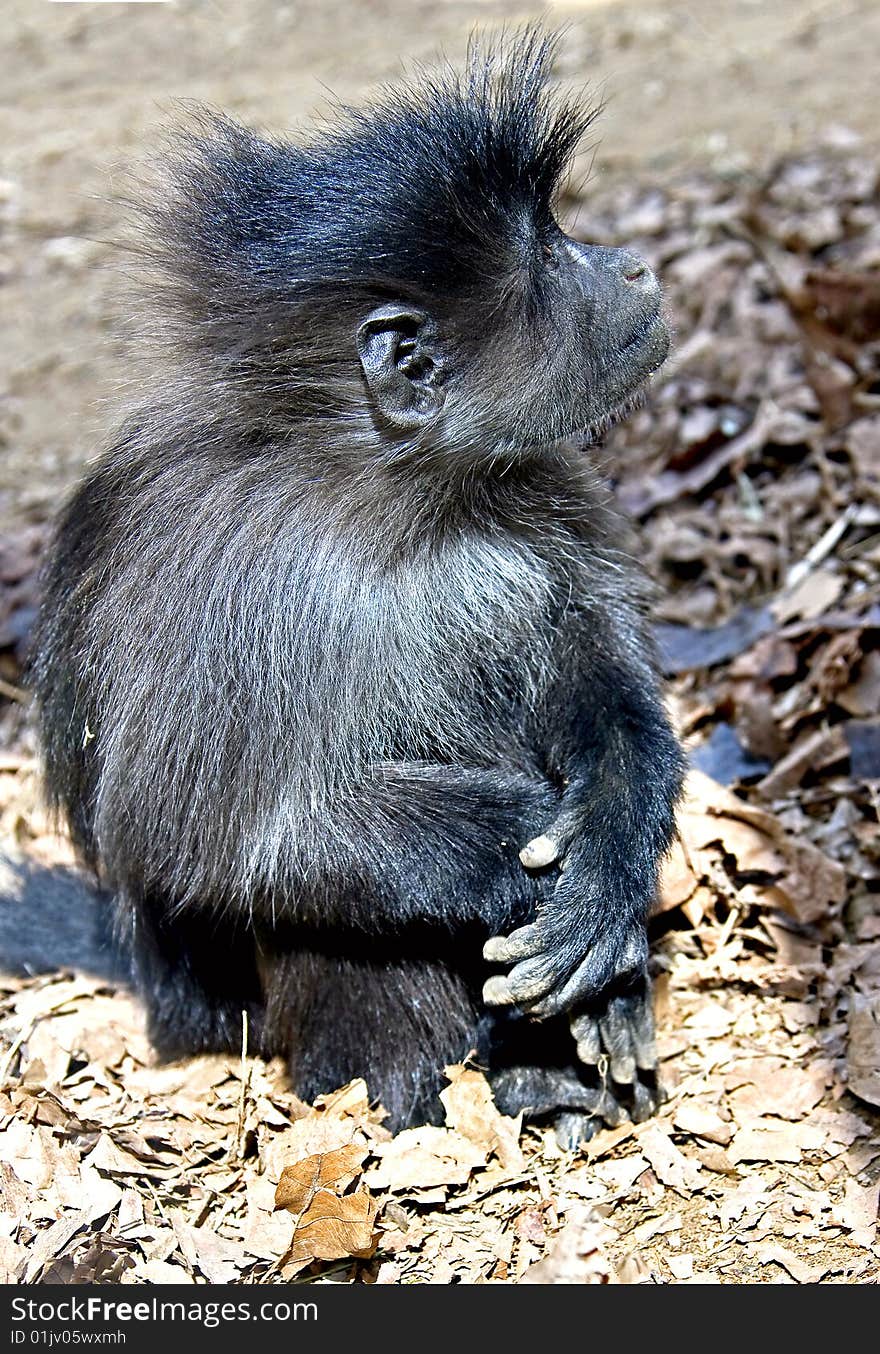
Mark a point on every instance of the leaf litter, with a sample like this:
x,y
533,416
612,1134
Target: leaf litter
x,y
753,476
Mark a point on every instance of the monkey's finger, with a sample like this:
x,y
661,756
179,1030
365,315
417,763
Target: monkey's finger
x,y
584,984
610,1110
524,943
617,1039
572,1127
496,992
585,1029
540,851
644,1037
604,964
524,985
644,1102
553,843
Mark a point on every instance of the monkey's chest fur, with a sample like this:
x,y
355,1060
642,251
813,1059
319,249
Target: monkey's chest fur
x,y
319,668
440,661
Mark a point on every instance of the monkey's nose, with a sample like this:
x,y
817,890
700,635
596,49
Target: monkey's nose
x,y
637,273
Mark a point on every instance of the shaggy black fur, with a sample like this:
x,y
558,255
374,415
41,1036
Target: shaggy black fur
x,y
341,622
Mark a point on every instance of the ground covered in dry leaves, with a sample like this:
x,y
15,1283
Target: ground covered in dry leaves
x,y
753,478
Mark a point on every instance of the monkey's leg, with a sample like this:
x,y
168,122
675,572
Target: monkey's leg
x,y
346,1007
196,974
623,769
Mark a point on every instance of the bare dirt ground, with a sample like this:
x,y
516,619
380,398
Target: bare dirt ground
x,y
739,154
86,86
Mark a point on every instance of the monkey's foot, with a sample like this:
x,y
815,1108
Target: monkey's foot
x,y
618,1040
617,1034
577,1109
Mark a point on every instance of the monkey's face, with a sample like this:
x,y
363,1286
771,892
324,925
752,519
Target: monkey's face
x,y
579,331
612,334
582,350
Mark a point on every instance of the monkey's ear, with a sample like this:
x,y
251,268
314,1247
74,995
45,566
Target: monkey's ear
x,y
402,365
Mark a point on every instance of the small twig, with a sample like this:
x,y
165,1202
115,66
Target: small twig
x,y
822,548
21,1038
14,693
245,1076
156,1200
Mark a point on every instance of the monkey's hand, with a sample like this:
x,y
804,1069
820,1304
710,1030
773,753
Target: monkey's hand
x,y
613,1034
588,935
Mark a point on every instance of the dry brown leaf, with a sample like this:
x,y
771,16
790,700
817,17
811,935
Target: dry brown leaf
x,y
301,1180
767,1141
701,1121
578,1254
713,822
216,1257
801,1270
680,1266
266,1231
471,1111
333,1228
863,1048
678,881
777,1089
815,593
818,749
314,1134
670,1165
426,1158
621,1173
858,1211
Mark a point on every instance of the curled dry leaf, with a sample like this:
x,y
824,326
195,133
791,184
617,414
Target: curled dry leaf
x,y
471,1110
713,824
330,1224
863,1048
301,1181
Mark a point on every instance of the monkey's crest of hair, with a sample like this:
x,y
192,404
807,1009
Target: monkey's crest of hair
x,y
452,179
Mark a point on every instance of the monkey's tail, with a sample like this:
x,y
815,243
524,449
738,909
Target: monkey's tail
x,y
54,918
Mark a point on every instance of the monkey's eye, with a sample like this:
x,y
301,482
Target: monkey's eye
x,y
550,258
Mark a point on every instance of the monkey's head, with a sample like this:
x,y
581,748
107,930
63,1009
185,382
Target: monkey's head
x,y
406,272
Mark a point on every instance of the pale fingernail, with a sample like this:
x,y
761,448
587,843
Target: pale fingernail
x,y
540,851
588,1046
646,1056
495,949
496,992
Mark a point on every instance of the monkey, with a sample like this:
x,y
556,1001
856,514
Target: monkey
x,y
342,672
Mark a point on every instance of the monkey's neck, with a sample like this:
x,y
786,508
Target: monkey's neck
x,y
414,502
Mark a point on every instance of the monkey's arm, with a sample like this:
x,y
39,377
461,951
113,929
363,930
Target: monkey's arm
x,y
622,766
416,843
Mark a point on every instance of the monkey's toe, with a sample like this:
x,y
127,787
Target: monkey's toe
x,y
619,1032
573,1128
617,1039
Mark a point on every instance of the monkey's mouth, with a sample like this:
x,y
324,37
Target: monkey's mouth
x,y
644,352
651,334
